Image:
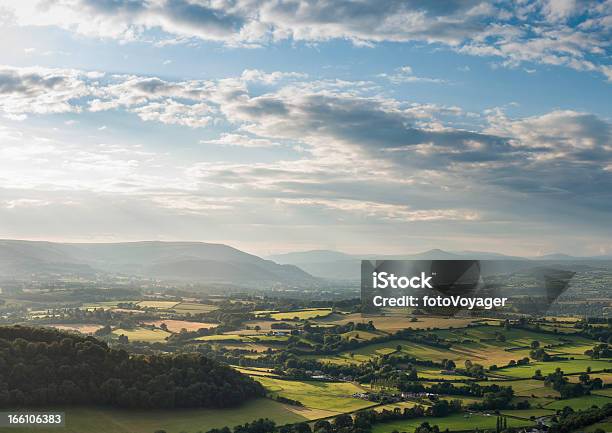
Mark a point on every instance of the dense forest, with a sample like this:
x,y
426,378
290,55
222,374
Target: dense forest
x,y
41,367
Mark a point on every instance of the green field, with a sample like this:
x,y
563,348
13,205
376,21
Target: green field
x,y
226,337
478,344
273,338
142,334
526,387
361,335
429,373
476,352
528,413
193,308
106,305
455,423
301,314
605,425
330,397
607,392
394,321
163,305
605,377
580,403
568,367
96,420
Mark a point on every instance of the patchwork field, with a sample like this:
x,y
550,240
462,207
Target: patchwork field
x,y
361,335
481,353
162,305
332,398
605,377
568,367
83,328
580,403
255,371
526,388
107,305
303,314
393,322
515,338
178,325
226,337
528,413
142,334
193,308
455,423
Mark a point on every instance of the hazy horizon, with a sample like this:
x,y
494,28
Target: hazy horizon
x,y
273,127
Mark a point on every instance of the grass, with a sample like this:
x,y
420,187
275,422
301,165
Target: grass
x,y
605,377
333,397
527,413
274,338
605,425
255,371
580,403
401,405
607,392
225,337
479,345
83,328
361,335
568,367
162,305
97,420
455,423
106,305
245,346
141,334
193,308
395,322
304,314
485,355
177,325
426,373
525,388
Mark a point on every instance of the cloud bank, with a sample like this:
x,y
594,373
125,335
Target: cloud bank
x,y
573,34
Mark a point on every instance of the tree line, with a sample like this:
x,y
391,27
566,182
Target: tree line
x,y
41,367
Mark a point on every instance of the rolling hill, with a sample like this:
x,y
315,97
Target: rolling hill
x,y
183,261
336,265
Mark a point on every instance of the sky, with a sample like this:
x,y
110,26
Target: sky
x,y
371,126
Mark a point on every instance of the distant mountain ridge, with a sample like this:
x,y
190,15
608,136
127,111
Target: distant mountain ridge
x,y
184,261
341,266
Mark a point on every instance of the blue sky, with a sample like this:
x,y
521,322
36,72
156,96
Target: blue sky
x,y
274,126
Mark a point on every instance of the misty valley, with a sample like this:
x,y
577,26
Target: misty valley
x,y
90,330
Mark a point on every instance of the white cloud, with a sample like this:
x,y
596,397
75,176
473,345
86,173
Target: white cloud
x,y
36,90
270,78
174,113
385,211
404,74
517,32
240,140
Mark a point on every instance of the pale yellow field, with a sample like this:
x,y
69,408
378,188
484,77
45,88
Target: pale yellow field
x,y
394,323
163,305
141,334
82,328
177,325
301,314
194,308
